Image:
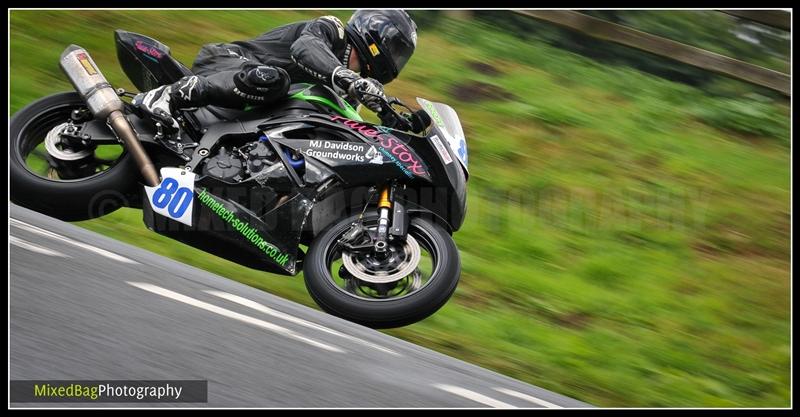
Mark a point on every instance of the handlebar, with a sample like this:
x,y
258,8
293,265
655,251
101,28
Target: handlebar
x,y
413,121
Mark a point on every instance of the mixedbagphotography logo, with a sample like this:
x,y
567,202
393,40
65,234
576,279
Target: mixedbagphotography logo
x,y
156,391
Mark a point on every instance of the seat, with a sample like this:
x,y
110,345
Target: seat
x,y
178,68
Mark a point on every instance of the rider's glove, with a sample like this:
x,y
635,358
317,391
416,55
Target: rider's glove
x,y
367,91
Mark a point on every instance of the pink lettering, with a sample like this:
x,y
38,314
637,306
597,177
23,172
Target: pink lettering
x,y
363,129
416,168
405,157
386,141
149,50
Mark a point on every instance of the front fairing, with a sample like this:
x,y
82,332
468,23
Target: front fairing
x,y
366,154
435,182
446,145
447,126
446,193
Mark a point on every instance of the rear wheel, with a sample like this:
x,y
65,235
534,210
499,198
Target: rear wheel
x,y
65,178
410,282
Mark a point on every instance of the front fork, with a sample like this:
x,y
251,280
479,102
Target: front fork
x,y
390,211
392,224
384,208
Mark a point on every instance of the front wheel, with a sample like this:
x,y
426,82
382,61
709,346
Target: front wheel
x,y
411,281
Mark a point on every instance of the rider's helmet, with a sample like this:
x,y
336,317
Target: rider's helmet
x,y
384,39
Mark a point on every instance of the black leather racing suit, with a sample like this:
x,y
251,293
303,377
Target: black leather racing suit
x,y
309,51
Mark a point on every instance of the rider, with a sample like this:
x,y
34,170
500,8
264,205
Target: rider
x,y
355,60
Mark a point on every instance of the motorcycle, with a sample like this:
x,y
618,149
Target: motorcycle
x,y
366,211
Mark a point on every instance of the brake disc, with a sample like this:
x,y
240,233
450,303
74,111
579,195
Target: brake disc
x,y
399,263
53,139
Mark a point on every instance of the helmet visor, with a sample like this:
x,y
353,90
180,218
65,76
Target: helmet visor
x,y
397,46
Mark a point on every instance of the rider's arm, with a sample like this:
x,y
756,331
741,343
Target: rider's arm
x,y
313,50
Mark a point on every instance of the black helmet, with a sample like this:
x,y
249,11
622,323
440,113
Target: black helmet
x,y
384,39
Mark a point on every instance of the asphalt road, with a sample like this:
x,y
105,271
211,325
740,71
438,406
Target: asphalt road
x,y
83,306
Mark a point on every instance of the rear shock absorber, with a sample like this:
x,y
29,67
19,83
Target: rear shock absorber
x,y
384,208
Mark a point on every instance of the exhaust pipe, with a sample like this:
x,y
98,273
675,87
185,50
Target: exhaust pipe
x,y
104,103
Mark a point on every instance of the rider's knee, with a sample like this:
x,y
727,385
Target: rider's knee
x,y
261,84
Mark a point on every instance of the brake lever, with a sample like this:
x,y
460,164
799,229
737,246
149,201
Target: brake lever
x,y
389,116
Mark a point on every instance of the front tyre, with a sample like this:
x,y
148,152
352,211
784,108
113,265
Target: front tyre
x,y
410,284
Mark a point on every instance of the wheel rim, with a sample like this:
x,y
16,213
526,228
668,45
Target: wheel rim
x,y
398,261
419,278
78,163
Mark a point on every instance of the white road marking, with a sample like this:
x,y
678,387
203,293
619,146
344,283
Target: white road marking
x,y
462,392
527,397
232,314
34,248
101,252
266,310
474,396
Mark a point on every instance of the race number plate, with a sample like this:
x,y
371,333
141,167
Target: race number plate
x,y
174,197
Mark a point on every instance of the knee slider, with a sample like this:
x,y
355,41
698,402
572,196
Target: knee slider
x,y
259,84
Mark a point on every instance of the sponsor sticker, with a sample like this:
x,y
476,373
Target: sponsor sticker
x,y
343,151
437,143
434,114
392,148
244,228
148,49
374,49
373,156
87,65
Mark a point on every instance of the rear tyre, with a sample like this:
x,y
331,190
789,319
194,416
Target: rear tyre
x,y
102,180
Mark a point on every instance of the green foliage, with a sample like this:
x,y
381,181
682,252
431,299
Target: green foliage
x,y
627,237
716,32
750,117
706,29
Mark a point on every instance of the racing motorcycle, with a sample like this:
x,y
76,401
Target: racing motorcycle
x,y
365,210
